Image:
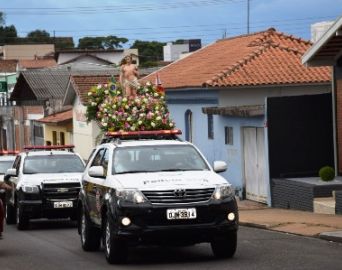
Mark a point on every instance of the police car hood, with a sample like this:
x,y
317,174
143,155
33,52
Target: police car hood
x,y
169,180
38,179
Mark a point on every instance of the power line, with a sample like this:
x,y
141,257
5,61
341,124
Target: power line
x,y
115,9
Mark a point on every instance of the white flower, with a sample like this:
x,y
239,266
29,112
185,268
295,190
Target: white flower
x,y
132,128
156,94
106,92
93,104
129,119
157,108
114,106
141,115
148,84
153,124
158,118
104,124
113,117
124,100
89,93
126,107
171,124
140,122
99,86
105,110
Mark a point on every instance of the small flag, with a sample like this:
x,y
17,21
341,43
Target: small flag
x,y
158,81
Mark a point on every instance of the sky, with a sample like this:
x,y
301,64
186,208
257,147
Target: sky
x,y
167,20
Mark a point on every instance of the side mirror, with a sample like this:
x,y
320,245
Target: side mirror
x,y
96,171
220,166
11,172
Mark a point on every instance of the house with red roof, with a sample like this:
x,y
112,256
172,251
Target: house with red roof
x,y
237,100
84,134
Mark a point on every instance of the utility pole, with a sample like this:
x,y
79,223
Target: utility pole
x,y
248,16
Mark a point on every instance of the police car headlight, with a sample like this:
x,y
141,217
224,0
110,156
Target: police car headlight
x,y
131,195
30,189
222,192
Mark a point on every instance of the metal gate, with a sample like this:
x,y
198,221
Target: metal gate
x,y
254,161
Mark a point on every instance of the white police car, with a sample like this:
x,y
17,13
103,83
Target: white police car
x,y
45,181
151,188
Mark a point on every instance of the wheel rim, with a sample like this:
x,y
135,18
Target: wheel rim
x,y
107,238
83,228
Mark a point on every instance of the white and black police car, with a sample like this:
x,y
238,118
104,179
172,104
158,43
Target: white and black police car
x,y
149,187
45,181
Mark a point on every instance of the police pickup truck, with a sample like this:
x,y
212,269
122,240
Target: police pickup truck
x,y
149,187
45,181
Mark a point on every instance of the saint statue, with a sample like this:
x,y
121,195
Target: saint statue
x,y
129,76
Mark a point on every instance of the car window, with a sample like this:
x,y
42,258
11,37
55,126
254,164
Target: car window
x,y
157,158
98,157
52,164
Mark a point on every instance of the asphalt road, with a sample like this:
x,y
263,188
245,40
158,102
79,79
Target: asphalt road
x,y
56,245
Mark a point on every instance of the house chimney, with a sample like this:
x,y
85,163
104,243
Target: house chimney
x,y
318,30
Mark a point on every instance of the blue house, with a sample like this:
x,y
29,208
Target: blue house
x,y
218,95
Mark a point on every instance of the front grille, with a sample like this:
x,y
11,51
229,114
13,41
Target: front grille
x,y
57,191
179,195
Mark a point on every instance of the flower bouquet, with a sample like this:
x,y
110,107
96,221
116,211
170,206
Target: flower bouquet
x,y
115,112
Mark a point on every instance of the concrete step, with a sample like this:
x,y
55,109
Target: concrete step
x,y
324,205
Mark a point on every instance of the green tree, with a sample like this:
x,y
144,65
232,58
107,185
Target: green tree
x,y
91,43
114,42
2,18
150,52
39,36
8,35
109,42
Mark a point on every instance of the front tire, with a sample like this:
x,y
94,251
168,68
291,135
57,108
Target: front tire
x,y
224,246
22,220
10,214
90,236
115,249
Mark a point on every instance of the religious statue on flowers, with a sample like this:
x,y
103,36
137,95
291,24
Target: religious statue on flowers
x,y
129,76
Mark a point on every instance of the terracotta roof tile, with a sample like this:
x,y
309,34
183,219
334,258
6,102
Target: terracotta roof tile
x,y
57,117
8,65
82,84
37,63
263,58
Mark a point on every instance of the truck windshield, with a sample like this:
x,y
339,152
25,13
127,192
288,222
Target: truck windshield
x,y
5,165
157,158
52,164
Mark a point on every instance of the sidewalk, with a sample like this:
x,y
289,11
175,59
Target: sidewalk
x,y
327,227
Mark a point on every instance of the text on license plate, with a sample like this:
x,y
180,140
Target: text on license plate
x,y
63,204
183,213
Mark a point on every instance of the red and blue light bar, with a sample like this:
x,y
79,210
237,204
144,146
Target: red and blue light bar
x,y
9,152
48,147
121,134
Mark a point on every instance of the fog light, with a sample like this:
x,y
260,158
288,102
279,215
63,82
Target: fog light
x,y
126,221
231,216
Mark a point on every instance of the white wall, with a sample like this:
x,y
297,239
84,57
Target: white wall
x,y
84,134
173,52
256,96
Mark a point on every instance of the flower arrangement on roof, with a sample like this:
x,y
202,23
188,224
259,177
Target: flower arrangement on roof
x,y
113,111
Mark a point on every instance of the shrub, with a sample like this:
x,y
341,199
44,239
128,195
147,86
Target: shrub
x,y
327,173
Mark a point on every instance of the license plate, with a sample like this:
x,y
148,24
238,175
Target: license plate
x,y
64,204
184,213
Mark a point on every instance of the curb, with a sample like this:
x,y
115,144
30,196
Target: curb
x,y
332,236
255,225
